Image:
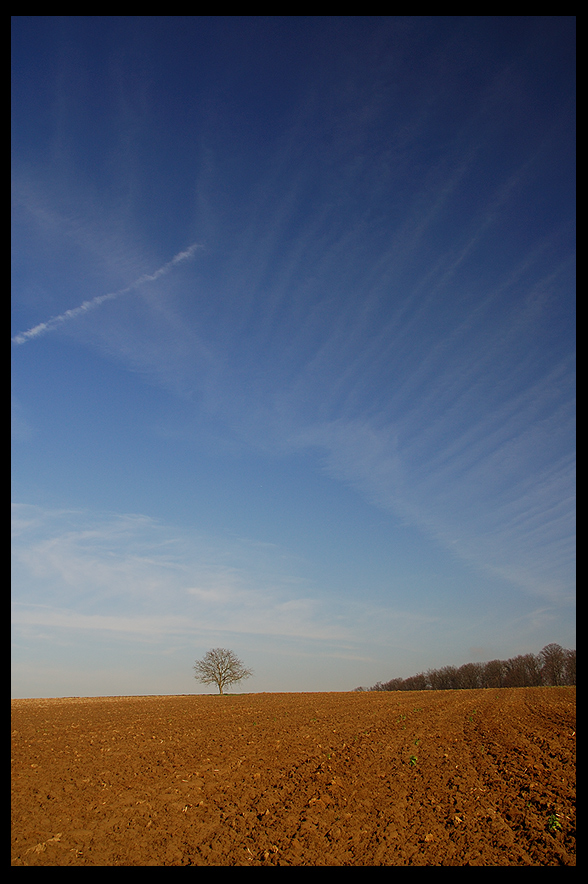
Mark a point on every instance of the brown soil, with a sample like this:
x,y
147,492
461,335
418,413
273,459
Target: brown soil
x,y
431,778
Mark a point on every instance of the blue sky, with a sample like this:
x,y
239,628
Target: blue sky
x,y
293,347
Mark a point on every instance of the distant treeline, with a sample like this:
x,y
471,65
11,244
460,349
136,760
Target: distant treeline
x,y
554,665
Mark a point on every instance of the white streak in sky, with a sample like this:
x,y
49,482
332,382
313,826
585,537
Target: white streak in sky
x,y
55,321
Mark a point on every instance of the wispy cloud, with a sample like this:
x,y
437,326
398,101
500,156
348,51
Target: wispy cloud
x,y
131,573
51,324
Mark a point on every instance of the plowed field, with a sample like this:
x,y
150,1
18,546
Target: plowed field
x,y
432,778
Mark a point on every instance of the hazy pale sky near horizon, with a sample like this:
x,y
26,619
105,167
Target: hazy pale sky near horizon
x,y
293,347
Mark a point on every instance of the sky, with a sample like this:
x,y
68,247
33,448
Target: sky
x,y
292,347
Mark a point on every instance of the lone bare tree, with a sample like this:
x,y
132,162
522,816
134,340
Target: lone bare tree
x,y
221,667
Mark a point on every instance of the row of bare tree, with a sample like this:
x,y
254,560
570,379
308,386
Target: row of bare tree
x,y
553,665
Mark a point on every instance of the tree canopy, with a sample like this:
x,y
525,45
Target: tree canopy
x,y
554,665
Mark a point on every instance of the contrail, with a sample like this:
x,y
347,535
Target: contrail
x,y
55,321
